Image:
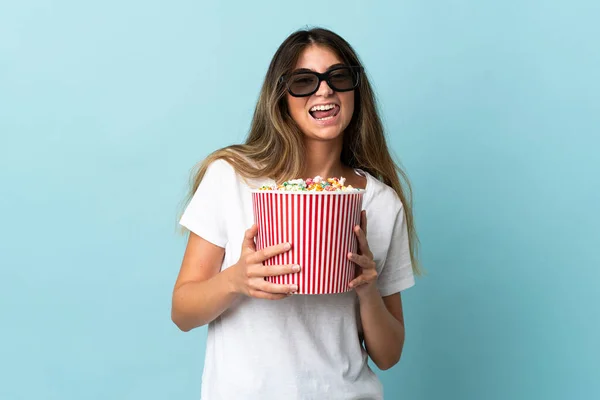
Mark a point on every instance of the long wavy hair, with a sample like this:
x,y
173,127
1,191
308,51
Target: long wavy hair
x,y
274,147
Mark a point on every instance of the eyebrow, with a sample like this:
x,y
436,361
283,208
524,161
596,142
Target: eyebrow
x,y
311,70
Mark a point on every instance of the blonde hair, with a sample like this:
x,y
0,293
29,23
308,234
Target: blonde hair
x,y
274,147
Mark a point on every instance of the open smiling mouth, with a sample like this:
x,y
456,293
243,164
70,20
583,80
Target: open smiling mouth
x,y
324,112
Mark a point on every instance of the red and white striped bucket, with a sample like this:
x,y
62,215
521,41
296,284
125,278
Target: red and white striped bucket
x,y
319,225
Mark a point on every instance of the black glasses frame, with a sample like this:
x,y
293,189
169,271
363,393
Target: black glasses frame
x,y
325,76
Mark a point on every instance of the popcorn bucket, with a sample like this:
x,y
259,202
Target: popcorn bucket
x,y
319,226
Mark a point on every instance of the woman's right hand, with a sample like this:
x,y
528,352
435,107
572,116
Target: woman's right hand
x,y
249,272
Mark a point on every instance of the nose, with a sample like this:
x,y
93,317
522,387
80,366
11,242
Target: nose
x,y
324,90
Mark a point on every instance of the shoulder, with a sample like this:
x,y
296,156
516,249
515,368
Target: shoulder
x,y
219,179
223,173
221,167
381,196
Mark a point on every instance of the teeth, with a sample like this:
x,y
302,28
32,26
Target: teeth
x,y
323,107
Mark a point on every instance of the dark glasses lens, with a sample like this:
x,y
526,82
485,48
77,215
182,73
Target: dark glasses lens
x,y
340,79
302,84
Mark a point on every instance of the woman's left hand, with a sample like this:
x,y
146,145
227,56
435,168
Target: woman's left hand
x,y
366,271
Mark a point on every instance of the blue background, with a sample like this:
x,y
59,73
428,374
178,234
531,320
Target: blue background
x,y
492,106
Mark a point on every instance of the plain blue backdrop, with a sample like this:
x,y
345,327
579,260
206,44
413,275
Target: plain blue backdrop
x,y
492,106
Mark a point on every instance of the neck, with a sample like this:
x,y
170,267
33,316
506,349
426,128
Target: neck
x,y
323,159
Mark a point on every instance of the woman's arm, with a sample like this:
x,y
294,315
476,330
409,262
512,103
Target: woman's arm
x,y
202,293
383,326
382,317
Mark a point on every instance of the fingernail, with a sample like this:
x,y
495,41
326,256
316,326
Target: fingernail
x,y
296,268
287,246
293,288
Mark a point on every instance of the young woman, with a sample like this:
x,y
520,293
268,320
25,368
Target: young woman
x,y
316,115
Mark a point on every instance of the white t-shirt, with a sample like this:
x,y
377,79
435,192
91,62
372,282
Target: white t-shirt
x,y
304,347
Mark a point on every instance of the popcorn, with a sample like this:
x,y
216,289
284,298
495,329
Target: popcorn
x,y
316,184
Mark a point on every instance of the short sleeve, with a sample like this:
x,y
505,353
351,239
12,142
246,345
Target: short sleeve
x,y
205,215
397,274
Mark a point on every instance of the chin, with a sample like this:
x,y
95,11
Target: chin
x,y
330,133
323,131
314,130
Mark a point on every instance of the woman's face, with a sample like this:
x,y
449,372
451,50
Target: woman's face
x,y
336,107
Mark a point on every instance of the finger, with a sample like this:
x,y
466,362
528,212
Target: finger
x,y
356,282
261,271
362,260
363,221
267,296
249,236
363,279
363,245
268,252
275,288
